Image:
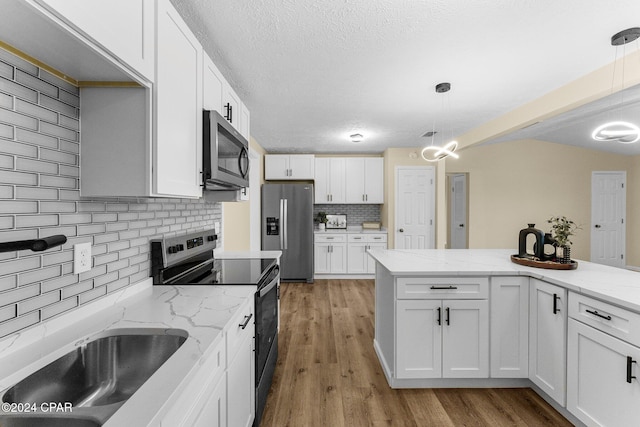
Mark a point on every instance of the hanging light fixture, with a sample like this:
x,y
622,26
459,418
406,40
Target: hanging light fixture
x,y
432,152
619,131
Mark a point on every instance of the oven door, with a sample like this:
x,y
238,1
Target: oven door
x,y
266,320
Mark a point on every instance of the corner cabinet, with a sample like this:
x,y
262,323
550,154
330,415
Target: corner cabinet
x,y
132,43
442,328
147,141
289,166
547,338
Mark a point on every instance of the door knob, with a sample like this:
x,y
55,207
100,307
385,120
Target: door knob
x,y
401,230
597,225
461,225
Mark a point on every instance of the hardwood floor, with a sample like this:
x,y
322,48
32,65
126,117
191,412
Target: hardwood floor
x,y
328,373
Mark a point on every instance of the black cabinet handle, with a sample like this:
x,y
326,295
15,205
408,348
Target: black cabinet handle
x,y
246,321
36,245
630,363
595,313
444,287
448,316
439,316
555,303
229,114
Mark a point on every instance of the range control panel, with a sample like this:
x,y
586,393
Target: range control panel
x,y
174,249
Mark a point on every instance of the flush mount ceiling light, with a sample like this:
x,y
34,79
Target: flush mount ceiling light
x,y
619,131
356,137
433,152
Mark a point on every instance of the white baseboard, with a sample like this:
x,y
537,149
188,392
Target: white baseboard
x,y
633,268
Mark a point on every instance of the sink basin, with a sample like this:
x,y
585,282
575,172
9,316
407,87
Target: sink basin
x,y
44,421
104,371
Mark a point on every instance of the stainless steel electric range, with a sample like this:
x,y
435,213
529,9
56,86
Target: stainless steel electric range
x,y
189,260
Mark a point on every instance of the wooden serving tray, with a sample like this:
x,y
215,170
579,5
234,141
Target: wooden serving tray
x,y
549,265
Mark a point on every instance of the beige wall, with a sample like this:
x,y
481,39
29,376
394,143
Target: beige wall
x,y
235,215
515,183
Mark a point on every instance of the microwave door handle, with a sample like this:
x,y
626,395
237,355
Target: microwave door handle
x,y
286,224
243,155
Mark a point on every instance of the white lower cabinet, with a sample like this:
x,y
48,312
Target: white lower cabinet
x,y
241,386
603,351
442,339
330,253
358,260
509,327
547,338
214,411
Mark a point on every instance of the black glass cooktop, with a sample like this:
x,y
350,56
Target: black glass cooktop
x,y
242,271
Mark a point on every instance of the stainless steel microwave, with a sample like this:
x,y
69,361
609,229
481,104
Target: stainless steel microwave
x,y
225,154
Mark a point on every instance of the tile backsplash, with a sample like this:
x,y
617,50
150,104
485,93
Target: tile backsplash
x,y
40,197
356,214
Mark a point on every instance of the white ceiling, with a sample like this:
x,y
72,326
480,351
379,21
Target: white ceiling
x,y
313,72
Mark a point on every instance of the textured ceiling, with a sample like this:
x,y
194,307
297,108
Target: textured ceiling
x,y
313,72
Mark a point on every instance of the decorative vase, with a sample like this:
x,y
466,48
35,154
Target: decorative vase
x,y
321,226
563,254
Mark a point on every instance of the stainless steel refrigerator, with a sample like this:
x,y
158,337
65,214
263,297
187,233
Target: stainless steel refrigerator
x,y
287,225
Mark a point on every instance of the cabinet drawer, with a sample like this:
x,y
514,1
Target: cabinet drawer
x,y
236,332
368,238
443,288
330,238
608,318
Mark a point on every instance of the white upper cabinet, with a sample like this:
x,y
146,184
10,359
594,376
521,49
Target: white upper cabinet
x,y
220,96
178,106
330,180
122,27
289,166
365,180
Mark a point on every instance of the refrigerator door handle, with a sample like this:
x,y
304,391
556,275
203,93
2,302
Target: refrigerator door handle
x,y
286,220
281,221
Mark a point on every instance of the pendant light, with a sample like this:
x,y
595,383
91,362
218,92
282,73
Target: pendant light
x,y
435,153
619,131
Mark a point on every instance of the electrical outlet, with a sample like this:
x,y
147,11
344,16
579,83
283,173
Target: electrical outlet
x,y
81,257
216,227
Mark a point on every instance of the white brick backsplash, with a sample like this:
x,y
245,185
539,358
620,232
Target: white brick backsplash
x,y
39,197
356,214
39,139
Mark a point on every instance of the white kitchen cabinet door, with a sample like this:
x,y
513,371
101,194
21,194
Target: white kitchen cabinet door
x,y
123,27
329,180
213,412
231,107
245,122
418,339
364,178
374,180
213,84
289,166
510,327
276,166
302,166
321,258
357,258
178,106
465,339
547,338
241,385
330,258
338,258
600,391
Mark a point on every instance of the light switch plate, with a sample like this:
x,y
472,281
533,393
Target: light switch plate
x,y
216,227
81,257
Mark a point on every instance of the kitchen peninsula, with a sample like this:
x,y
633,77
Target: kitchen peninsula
x,y
472,318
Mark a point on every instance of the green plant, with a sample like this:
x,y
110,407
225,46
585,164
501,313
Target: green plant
x,y
561,229
321,217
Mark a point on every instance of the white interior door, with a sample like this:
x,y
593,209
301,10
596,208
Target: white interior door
x,y
458,217
608,217
415,207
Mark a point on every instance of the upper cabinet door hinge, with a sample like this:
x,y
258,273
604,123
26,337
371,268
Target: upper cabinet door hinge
x,y
622,184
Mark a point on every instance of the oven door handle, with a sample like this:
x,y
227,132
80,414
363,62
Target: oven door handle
x,y
186,272
262,292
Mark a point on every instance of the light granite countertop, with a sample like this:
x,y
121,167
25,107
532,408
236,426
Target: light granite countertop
x,y
202,311
352,229
615,285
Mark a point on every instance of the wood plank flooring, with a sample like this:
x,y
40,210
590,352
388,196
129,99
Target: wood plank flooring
x,y
328,374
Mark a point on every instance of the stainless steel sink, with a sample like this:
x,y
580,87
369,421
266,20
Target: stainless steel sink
x,y
46,421
99,375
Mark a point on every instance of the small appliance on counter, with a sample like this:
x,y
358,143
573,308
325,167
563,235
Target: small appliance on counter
x,y
337,221
371,225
